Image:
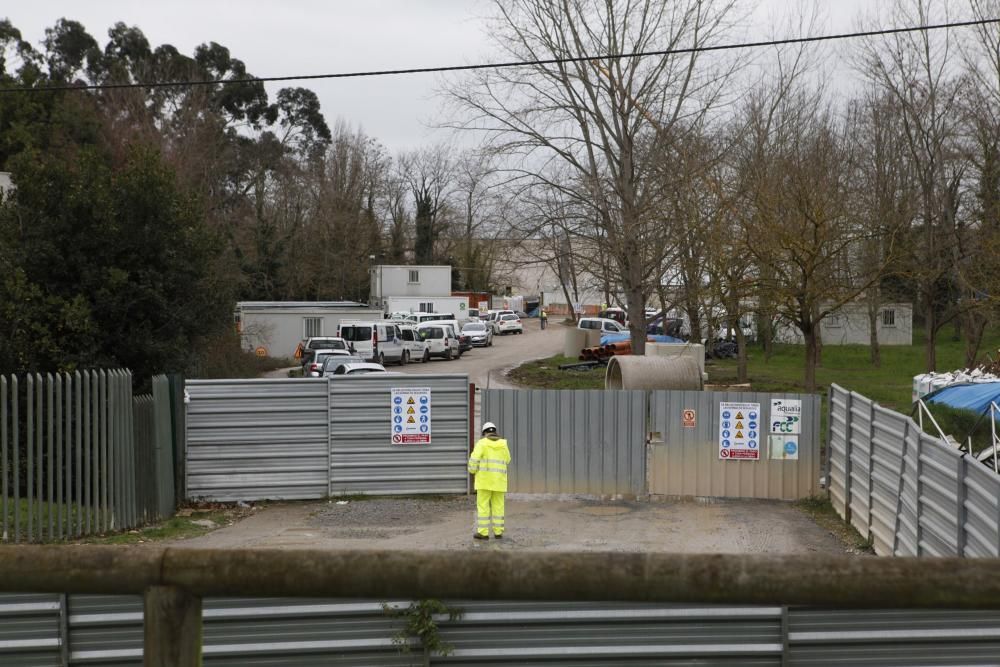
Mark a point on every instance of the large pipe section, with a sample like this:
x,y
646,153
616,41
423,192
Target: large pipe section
x,y
644,372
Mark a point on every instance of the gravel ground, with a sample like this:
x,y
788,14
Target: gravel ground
x,y
533,523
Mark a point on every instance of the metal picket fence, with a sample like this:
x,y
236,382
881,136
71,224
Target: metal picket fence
x,y
911,493
79,455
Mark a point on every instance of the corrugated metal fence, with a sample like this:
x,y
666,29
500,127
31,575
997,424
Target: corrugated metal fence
x,y
310,438
363,458
51,630
684,457
595,442
913,494
80,455
589,442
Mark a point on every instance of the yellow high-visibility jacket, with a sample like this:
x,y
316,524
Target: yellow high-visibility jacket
x,y
489,462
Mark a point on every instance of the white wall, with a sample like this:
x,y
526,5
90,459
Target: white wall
x,y
6,184
280,331
395,281
457,305
850,326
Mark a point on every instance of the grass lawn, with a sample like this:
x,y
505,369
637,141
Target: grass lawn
x,y
178,527
545,374
849,366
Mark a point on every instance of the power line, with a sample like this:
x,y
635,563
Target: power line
x,y
517,63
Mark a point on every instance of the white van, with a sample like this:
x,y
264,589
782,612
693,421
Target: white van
x,y
604,325
418,348
441,340
379,342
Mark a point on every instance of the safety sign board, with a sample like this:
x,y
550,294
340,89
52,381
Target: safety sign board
x,y
411,416
739,431
786,416
689,418
785,447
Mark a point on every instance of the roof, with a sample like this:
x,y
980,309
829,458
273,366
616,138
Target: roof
x,y
299,305
413,266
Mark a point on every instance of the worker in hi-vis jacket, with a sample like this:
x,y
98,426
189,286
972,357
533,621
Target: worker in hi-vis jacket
x,y
488,463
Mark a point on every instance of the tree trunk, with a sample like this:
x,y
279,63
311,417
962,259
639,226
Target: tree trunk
x,y
810,335
875,351
636,308
570,303
930,334
741,354
974,330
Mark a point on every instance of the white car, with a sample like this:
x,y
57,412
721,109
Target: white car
x,y
418,348
493,319
314,367
353,370
509,323
441,341
605,326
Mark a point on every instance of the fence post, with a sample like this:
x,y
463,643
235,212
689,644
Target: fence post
x,y
472,430
920,490
900,487
871,463
960,492
172,628
848,492
828,443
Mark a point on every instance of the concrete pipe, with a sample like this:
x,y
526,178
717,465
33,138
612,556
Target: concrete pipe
x,y
633,372
576,340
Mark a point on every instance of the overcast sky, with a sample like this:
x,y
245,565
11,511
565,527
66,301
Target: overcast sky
x,y
314,36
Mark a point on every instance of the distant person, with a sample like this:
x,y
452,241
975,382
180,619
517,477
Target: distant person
x,y
488,463
544,318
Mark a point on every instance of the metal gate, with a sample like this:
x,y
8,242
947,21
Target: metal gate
x,y
287,439
685,449
589,442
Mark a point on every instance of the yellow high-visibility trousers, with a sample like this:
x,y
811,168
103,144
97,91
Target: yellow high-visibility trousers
x,y
489,510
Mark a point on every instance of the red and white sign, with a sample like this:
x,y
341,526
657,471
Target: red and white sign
x,y
739,431
410,416
689,418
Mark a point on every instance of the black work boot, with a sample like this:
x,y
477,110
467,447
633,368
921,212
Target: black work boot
x,y
477,536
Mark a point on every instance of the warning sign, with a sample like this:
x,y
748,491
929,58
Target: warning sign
x,y
689,419
411,416
739,431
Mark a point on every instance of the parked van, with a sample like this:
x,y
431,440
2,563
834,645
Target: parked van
x,y
601,324
379,342
441,340
417,347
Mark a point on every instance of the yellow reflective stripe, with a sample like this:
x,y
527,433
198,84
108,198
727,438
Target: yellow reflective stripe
x,y
500,461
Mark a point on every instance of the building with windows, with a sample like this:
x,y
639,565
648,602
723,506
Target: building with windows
x,y
850,325
275,328
394,280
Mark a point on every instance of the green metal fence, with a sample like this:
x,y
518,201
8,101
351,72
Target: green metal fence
x,y
79,455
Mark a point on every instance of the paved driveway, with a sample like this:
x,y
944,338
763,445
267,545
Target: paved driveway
x,y
533,523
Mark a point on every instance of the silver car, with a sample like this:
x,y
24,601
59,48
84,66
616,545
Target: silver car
x,y
479,333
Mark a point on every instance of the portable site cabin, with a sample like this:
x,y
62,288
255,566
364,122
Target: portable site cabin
x,y
275,328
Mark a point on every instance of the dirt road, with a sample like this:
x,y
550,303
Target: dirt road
x,y
533,523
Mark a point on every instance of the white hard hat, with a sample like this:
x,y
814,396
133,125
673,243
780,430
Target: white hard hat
x,y
489,427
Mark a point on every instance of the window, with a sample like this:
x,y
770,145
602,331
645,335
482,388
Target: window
x,y
406,334
313,326
834,322
414,276
889,317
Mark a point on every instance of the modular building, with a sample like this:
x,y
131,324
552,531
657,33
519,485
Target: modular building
x,y
456,305
275,328
850,325
389,281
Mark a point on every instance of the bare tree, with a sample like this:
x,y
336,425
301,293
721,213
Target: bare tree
x,y
917,71
604,118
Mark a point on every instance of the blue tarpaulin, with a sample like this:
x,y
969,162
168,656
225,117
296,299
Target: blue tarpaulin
x,y
974,397
621,337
